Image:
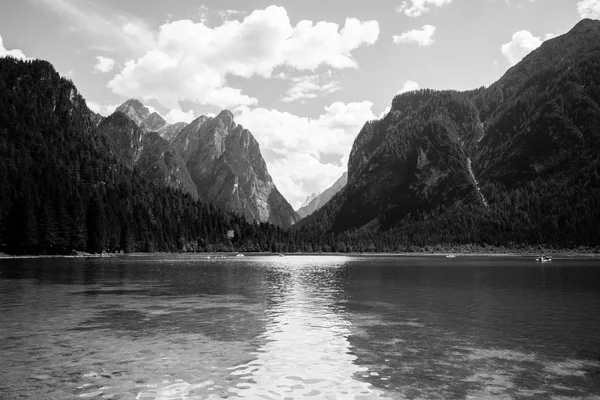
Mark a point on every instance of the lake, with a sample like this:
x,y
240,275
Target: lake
x,y
300,327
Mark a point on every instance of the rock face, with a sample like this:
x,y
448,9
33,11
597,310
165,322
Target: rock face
x,y
153,123
525,143
135,110
170,131
315,202
153,155
225,163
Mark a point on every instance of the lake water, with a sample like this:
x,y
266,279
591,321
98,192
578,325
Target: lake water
x,y
300,327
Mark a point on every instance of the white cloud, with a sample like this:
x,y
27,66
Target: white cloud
x,y
104,64
384,112
422,37
177,115
416,8
299,173
16,53
102,109
297,149
308,87
408,86
589,9
522,43
191,60
118,31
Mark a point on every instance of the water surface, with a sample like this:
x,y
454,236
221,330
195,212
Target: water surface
x,y
300,327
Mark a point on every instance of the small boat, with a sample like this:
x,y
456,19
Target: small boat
x,y
281,255
543,259
239,255
450,256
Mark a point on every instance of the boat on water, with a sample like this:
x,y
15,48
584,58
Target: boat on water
x,y
239,255
543,259
281,255
450,256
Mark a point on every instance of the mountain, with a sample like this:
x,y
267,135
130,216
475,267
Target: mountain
x,y
153,123
170,131
314,201
135,110
64,188
225,163
156,159
516,163
309,198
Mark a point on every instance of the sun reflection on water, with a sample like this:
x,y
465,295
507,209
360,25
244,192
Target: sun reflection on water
x,y
306,351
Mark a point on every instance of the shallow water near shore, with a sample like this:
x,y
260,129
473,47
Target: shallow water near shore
x,y
300,327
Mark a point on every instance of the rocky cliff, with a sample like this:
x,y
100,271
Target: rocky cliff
x,y
153,155
225,163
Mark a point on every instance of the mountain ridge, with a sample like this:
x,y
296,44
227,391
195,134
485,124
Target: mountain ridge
x,y
315,202
464,167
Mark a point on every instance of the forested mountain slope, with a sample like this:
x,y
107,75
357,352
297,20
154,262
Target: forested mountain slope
x,y
516,163
62,188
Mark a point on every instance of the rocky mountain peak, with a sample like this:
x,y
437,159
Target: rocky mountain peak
x,y
225,121
153,123
226,165
135,110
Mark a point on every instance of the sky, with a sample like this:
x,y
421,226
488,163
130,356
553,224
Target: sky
x,y
302,76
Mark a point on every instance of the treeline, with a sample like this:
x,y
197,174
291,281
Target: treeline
x,y
62,189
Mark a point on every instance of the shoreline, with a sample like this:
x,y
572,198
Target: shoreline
x,y
556,254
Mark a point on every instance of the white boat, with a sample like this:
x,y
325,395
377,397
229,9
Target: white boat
x,y
543,259
239,255
450,256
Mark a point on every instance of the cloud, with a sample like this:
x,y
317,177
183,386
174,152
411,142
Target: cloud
x,y
299,151
118,31
104,64
102,109
191,61
308,87
416,8
522,43
299,174
422,37
15,53
589,9
179,116
408,86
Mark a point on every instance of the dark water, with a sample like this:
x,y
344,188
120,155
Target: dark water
x,y
300,328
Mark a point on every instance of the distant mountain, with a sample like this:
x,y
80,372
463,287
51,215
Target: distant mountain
x,y
516,163
314,202
225,163
309,198
153,155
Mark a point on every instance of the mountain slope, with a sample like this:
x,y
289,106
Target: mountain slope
x,y
156,159
63,188
517,162
314,202
225,163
